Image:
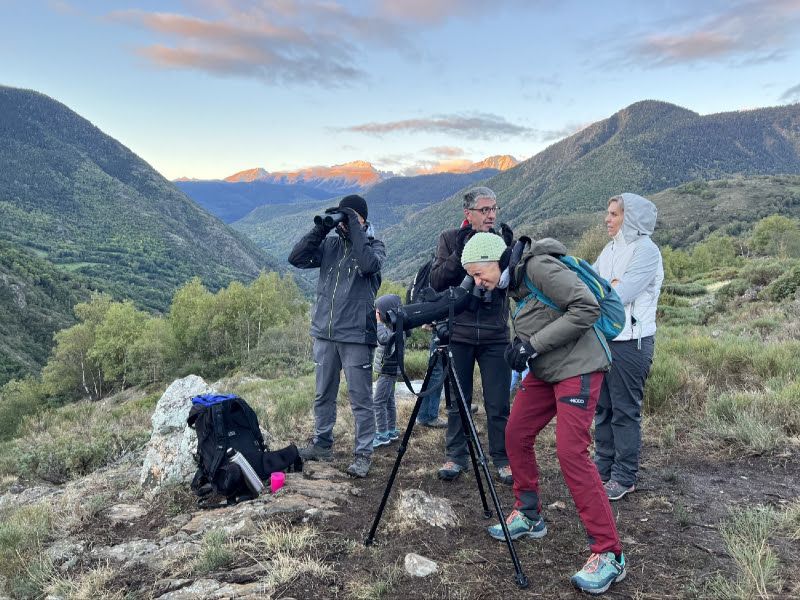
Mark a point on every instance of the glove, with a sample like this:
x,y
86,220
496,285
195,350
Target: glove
x,y
461,240
506,234
518,353
352,216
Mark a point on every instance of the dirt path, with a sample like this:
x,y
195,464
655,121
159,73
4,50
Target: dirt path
x,y
669,529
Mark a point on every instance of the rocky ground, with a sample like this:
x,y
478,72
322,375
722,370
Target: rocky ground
x,y
141,537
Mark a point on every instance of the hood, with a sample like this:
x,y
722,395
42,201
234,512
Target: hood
x,y
386,303
548,246
639,217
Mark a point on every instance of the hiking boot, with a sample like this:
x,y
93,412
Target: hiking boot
x,y
360,466
437,423
616,490
504,475
394,434
599,572
450,470
381,439
315,452
519,526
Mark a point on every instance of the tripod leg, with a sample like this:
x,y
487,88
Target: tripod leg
x,y
472,454
474,440
401,450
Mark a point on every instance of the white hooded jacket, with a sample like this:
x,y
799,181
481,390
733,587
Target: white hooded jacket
x,y
633,259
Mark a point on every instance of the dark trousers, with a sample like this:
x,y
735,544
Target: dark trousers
x,y
618,422
496,379
429,408
572,402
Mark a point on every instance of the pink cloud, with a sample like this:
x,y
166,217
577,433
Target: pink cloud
x,y
753,30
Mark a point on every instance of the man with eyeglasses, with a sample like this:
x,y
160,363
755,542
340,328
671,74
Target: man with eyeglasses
x,y
479,335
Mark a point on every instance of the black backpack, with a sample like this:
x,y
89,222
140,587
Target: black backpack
x,y
227,421
421,281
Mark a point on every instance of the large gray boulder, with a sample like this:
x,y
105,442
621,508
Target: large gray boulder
x,y
168,456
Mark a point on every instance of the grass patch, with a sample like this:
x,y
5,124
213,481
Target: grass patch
x,y
216,553
379,587
22,535
746,534
287,553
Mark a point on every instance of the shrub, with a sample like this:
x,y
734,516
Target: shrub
x,y
784,286
762,271
19,399
22,535
684,289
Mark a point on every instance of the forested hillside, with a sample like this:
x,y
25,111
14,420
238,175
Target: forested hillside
x,y
646,147
83,201
36,301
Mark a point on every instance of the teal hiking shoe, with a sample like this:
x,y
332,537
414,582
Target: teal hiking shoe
x,y
381,439
394,434
519,526
599,572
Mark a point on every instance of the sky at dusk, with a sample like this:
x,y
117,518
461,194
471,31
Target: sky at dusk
x,y
205,88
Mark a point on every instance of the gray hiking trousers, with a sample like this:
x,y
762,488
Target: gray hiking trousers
x,y
356,361
618,416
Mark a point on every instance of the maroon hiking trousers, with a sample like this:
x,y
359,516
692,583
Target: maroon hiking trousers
x,y
572,401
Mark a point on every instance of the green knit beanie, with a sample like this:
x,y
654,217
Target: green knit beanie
x,y
483,247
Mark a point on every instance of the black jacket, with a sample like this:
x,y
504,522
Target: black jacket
x,y
486,324
349,278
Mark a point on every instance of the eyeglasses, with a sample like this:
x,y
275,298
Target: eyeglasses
x,y
486,210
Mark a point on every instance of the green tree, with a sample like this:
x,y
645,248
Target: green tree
x,y
190,318
71,371
114,338
777,236
154,353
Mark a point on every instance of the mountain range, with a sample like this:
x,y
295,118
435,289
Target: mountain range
x,y
85,211
644,148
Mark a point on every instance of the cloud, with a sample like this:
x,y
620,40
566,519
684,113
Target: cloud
x,y
752,31
565,131
474,126
445,151
290,41
437,12
792,94
274,41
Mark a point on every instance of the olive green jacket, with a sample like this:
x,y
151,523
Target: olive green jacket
x,y
566,342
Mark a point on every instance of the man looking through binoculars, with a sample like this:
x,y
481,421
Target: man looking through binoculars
x,y
343,323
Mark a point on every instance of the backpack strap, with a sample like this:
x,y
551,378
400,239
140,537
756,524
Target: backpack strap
x,y
539,295
218,420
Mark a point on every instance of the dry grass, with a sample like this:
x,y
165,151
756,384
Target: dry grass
x,y
746,535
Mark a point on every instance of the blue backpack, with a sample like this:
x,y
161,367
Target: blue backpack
x,y
612,312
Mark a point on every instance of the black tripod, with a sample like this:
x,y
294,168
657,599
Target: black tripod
x,y
444,355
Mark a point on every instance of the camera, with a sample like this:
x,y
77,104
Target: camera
x,y
331,220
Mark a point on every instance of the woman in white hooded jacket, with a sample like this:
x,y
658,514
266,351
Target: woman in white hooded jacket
x,y
633,265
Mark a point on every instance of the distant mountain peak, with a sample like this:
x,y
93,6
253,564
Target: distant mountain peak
x,y
248,175
501,162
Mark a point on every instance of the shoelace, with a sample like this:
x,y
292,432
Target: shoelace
x,y
593,563
511,516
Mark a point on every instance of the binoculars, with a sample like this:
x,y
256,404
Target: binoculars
x,y
330,221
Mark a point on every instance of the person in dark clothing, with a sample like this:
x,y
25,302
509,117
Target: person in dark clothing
x,y
343,325
479,335
387,365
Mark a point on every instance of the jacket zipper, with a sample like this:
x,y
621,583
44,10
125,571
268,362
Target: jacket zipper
x,y
336,285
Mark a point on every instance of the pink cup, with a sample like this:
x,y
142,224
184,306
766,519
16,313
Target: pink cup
x,y
276,481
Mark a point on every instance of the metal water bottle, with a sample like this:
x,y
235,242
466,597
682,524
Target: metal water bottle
x,y
251,478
